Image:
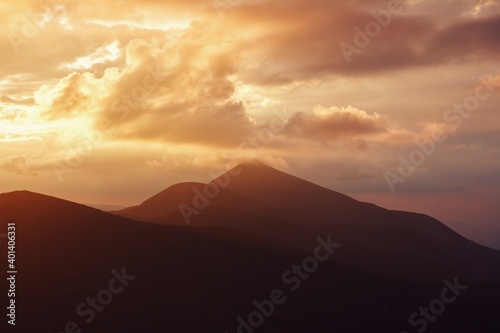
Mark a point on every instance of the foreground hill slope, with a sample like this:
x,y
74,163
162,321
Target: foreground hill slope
x,y
197,279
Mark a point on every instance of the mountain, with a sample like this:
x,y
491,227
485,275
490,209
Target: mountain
x,y
487,235
106,208
83,269
67,252
260,200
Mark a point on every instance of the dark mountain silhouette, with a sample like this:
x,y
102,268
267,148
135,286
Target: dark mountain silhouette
x,y
265,202
486,235
104,207
200,279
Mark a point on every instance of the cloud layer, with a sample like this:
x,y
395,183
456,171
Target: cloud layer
x,y
335,91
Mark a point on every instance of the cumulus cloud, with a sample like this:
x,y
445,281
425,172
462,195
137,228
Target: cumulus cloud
x,y
149,75
16,164
179,91
324,124
301,41
282,42
467,40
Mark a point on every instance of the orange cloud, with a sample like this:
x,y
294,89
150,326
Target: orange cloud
x,y
333,123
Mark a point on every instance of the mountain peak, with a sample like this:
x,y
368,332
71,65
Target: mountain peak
x,y
253,165
273,187
26,196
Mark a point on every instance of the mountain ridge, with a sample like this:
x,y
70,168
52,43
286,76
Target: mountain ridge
x,y
66,252
266,202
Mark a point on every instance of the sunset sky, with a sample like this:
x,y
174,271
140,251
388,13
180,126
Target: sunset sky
x,y
112,101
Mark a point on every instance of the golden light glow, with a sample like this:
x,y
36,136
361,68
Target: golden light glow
x,y
184,87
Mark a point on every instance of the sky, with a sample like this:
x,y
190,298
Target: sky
x,y
392,102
